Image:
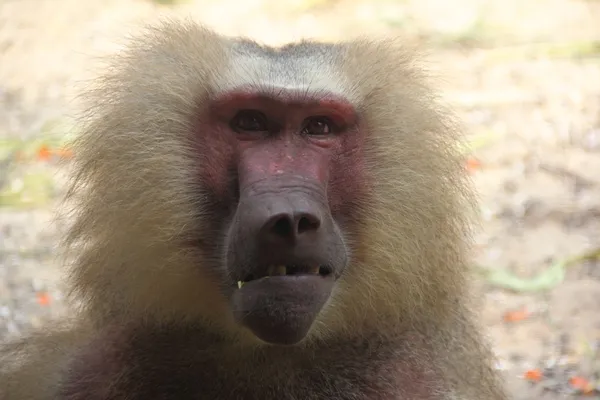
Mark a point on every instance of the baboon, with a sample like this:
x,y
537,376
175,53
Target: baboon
x,y
256,222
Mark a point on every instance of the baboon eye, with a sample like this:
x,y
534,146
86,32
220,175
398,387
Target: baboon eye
x,y
249,121
318,126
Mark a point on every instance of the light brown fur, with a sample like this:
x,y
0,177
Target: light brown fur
x,y
135,196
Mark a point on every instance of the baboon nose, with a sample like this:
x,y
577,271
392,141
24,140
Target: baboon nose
x,y
290,226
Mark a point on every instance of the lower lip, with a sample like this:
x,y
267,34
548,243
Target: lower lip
x,y
281,309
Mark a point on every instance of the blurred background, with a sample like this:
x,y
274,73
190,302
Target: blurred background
x,y
523,75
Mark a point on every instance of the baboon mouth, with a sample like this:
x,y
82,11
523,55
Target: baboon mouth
x,y
286,270
280,303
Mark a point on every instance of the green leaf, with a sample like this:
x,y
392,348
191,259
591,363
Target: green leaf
x,y
545,280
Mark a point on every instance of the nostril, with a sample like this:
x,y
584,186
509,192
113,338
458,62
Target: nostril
x,y
285,226
282,227
308,223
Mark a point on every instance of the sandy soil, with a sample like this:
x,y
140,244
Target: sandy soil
x,y
506,72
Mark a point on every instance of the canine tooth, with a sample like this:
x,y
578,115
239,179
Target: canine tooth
x,y
280,270
314,270
240,284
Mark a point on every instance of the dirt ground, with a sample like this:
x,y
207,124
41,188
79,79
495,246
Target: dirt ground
x,y
525,76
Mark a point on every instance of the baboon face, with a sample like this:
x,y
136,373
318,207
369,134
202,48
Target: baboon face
x,y
307,191
276,158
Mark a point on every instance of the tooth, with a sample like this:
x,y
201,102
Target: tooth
x,y
240,284
270,270
314,270
280,270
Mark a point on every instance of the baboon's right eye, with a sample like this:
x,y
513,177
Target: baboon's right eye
x,y
249,121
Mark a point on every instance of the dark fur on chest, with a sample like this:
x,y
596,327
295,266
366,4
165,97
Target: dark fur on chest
x,y
189,364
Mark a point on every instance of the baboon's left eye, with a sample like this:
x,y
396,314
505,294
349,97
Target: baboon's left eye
x,y
318,126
